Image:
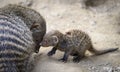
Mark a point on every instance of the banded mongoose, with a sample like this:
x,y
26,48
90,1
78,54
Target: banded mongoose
x,y
74,42
30,17
16,39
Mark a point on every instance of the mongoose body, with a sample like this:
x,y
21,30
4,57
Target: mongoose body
x,y
30,17
16,39
73,42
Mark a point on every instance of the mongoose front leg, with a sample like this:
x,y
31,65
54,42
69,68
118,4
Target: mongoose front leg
x,y
66,55
37,47
52,52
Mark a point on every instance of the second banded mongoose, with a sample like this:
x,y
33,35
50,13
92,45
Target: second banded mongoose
x,y
74,42
17,37
35,22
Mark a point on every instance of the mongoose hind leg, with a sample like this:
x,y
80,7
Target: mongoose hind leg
x,y
80,55
77,58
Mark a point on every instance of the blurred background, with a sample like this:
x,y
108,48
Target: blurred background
x,y
99,18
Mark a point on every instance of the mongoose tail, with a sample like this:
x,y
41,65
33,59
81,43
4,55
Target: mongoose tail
x,y
96,52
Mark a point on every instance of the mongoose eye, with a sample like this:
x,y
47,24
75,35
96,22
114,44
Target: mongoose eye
x,y
34,26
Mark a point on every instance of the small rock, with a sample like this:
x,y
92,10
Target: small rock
x,y
27,3
108,69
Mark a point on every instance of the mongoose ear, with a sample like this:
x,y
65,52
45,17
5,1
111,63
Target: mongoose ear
x,y
55,39
68,33
34,26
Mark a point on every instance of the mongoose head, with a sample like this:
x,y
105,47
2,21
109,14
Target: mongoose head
x,y
31,18
51,39
28,15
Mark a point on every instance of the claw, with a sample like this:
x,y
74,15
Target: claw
x,y
76,59
63,60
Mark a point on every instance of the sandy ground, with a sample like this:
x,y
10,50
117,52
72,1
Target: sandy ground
x,y
101,22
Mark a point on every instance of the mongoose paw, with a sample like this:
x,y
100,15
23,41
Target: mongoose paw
x,y
76,59
63,60
36,51
50,53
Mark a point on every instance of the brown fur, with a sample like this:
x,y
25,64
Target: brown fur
x,y
73,42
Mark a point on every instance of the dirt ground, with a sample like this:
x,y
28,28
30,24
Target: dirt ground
x,y
101,21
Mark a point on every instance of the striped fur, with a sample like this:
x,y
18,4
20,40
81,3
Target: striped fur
x,y
16,44
29,17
